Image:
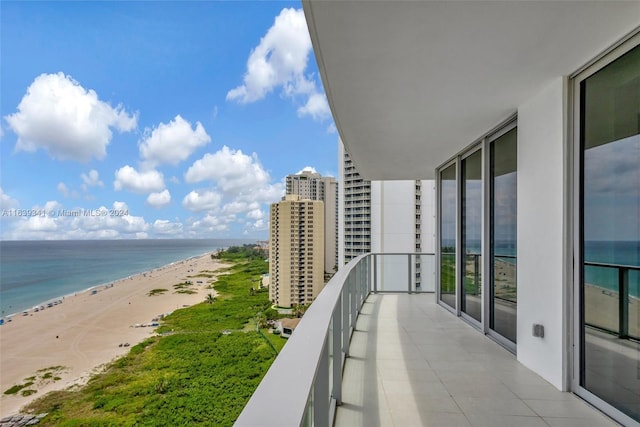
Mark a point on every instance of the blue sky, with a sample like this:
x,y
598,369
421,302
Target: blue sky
x,y
155,119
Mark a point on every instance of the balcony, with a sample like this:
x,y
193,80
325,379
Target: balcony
x,y
374,350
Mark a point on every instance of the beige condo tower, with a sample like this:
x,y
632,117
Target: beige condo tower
x,y
296,264
313,186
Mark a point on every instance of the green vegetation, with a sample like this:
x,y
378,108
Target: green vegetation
x,y
448,273
43,376
183,285
158,291
184,288
16,388
299,310
201,370
250,252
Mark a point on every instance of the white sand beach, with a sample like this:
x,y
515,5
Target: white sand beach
x,y
85,331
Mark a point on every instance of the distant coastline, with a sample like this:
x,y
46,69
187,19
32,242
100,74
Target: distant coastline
x,y
34,273
89,329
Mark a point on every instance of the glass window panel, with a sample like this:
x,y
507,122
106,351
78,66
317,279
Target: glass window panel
x,y
503,235
448,194
610,108
472,235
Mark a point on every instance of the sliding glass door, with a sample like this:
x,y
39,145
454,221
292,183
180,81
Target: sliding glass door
x,y
503,199
609,241
448,242
471,174
477,225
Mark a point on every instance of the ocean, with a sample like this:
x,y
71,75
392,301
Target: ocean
x,y
612,252
34,272
608,252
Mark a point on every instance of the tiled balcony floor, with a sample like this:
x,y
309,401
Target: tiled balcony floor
x,y
412,363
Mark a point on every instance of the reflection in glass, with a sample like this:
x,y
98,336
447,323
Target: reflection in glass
x,y
448,236
504,286
610,295
471,234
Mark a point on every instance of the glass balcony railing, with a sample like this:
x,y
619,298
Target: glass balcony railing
x,y
614,288
309,367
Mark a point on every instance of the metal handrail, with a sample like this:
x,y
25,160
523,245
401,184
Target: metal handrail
x,y
303,359
305,370
623,297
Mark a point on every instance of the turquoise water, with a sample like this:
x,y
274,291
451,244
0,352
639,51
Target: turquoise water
x,y
612,252
33,272
608,252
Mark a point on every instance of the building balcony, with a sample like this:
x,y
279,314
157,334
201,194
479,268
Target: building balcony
x,y
375,350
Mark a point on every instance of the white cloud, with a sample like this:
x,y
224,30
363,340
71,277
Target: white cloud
x,y
59,224
66,191
92,179
6,201
66,120
231,170
202,200
256,214
280,60
210,224
163,227
239,178
317,107
37,225
52,206
332,128
237,206
256,226
127,178
158,200
307,169
63,189
172,143
267,194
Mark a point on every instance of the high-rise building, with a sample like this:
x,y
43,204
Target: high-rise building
x,y
402,221
296,262
354,212
313,186
384,216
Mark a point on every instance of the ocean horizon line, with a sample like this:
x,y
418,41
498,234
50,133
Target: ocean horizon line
x,y
36,272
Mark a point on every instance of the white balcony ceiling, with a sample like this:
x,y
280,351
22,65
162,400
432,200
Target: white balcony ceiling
x,y
410,83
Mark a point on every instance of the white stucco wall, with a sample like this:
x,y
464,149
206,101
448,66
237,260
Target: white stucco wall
x,y
393,216
541,136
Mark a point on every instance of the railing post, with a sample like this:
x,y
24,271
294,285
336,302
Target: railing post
x,y
375,273
337,352
623,301
321,390
354,298
345,319
409,273
369,274
363,282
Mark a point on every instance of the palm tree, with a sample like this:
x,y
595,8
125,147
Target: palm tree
x,y
210,299
261,320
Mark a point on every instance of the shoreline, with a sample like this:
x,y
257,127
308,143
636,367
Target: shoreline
x,y
91,327
106,284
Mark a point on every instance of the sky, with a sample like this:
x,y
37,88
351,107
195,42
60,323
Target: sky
x,y
129,120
